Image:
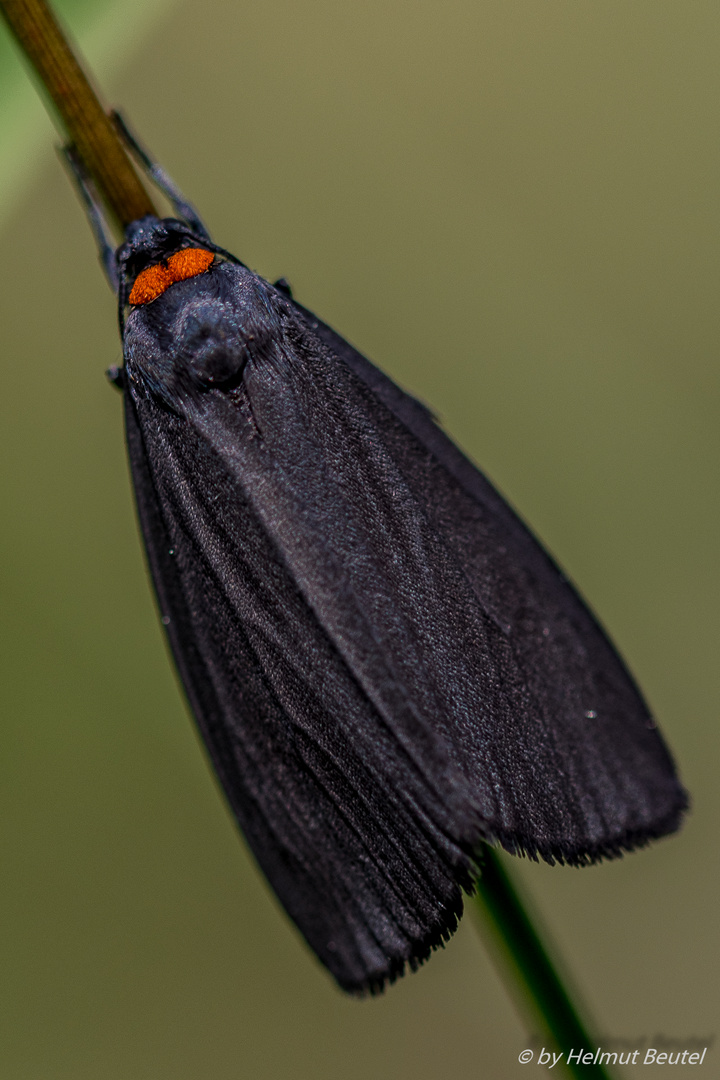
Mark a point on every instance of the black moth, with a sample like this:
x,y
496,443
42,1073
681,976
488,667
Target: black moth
x,y
386,667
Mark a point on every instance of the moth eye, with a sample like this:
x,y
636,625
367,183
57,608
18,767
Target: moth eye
x,y
154,280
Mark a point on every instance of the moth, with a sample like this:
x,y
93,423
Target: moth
x,y
386,667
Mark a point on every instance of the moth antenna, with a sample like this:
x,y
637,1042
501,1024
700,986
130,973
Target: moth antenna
x,y
160,178
95,214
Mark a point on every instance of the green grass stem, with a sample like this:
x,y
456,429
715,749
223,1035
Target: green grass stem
x,y
528,972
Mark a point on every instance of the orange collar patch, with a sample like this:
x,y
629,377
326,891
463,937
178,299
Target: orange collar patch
x,y
153,281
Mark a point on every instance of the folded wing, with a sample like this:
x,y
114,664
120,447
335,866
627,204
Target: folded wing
x,y
384,664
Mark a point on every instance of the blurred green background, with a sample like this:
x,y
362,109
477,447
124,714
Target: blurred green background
x,y
514,209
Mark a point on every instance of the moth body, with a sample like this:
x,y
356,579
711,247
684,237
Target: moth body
x,y
387,668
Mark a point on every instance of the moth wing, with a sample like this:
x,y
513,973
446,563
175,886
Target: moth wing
x,y
428,583
369,880
385,665
563,655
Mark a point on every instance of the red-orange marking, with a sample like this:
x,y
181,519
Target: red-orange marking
x,y
153,282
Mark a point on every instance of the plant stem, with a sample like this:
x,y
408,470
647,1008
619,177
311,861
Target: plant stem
x,y
527,969
84,120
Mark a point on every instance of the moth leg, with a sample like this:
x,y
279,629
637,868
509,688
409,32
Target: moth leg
x,y
95,214
284,286
116,375
160,178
